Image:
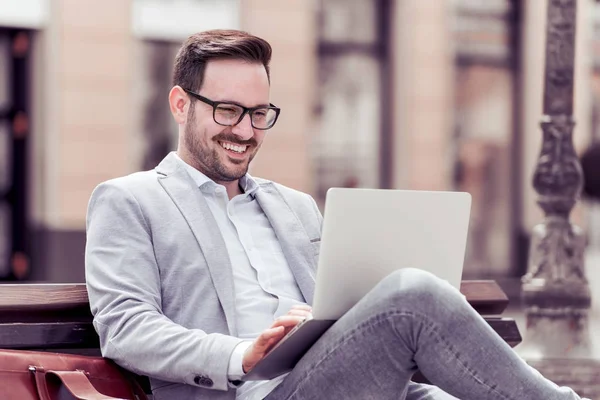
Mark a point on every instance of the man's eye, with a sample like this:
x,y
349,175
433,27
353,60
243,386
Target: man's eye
x,y
228,110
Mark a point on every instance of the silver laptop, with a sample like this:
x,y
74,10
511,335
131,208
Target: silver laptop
x,y
367,234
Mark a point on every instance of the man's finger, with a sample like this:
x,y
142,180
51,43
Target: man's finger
x,y
287,321
300,313
269,334
305,307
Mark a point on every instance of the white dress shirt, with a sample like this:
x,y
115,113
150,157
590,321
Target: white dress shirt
x,y
264,285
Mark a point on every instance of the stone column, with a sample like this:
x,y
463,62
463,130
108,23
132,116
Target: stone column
x,y
555,291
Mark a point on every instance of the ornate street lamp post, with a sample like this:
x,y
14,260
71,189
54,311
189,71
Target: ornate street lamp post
x,y
555,291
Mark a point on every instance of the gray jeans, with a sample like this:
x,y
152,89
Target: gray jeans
x,y
412,320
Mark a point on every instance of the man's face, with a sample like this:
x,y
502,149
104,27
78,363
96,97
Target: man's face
x,y
210,144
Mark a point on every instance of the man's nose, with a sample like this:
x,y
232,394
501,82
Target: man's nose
x,y
244,129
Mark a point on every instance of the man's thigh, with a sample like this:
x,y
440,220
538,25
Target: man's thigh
x,y
421,391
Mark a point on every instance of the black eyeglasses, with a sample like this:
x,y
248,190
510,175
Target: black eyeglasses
x,y
231,114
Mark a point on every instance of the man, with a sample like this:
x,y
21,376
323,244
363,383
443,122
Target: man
x,y
196,269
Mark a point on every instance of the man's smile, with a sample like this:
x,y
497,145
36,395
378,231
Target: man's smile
x,y
234,148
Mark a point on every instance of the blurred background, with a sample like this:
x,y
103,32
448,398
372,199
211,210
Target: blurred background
x,y
411,94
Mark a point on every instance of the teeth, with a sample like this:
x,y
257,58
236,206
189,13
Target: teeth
x,y
233,147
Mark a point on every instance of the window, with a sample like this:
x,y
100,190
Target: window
x,y
161,26
14,57
487,154
349,149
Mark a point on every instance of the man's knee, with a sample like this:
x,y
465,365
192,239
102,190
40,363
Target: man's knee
x,y
415,288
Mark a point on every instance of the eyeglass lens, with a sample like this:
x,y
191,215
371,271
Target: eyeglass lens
x,y
229,114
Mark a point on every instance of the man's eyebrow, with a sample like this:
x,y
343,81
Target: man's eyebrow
x,y
241,105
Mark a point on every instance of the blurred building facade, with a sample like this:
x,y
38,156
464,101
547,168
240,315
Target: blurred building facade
x,y
410,94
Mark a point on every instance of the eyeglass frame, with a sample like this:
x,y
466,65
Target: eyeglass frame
x,y
246,110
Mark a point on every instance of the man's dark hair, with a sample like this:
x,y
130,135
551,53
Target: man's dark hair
x,y
202,47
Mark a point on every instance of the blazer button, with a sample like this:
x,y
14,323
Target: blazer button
x,y
203,381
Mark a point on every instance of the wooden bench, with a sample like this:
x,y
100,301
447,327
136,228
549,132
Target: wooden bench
x,y
57,317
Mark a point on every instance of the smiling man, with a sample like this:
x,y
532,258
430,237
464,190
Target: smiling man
x,y
196,269
224,136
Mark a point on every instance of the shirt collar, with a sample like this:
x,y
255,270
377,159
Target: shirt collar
x,y
247,183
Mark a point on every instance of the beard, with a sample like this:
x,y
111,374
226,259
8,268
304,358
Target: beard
x,y
207,154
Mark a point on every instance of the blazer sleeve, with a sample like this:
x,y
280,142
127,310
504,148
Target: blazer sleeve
x,y
124,290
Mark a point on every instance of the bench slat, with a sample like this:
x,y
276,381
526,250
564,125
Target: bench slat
x,y
49,335
486,297
40,296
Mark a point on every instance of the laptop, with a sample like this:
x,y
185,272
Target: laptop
x,y
367,234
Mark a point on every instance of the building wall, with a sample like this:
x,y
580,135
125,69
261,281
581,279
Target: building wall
x,y
86,115
83,107
284,156
82,135
423,94
87,108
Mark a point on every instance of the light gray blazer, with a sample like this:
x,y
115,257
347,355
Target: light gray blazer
x,y
160,280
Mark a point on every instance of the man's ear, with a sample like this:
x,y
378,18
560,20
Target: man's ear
x,y
179,102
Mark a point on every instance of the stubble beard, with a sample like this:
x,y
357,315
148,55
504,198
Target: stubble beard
x,y
207,159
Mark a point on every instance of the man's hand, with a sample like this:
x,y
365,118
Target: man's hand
x,y
270,337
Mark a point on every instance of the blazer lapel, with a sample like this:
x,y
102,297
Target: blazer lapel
x,y
188,198
292,236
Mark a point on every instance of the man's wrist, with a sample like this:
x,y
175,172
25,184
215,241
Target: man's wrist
x,y
235,371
